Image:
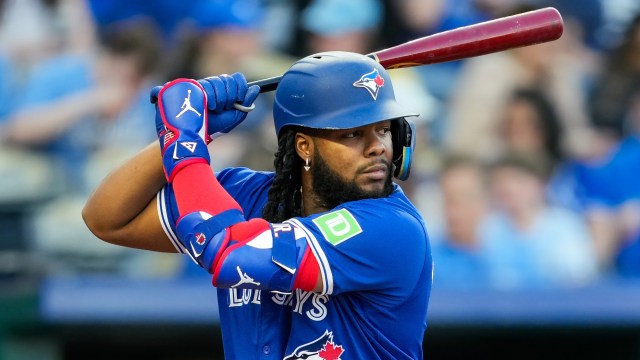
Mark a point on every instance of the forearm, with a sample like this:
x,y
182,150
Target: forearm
x,y
122,210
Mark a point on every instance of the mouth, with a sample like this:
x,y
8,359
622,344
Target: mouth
x,y
376,172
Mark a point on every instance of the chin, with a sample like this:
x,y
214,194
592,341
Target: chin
x,y
373,187
375,190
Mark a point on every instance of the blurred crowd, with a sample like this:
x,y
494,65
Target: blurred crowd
x,y
525,159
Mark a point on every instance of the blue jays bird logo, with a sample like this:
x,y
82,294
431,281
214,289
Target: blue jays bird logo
x,y
321,348
372,81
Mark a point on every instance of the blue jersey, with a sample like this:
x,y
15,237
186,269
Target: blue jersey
x,y
376,267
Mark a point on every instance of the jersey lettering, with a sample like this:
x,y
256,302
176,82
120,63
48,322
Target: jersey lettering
x,y
319,310
281,299
245,297
277,228
301,300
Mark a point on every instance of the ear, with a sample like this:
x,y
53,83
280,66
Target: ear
x,y
304,146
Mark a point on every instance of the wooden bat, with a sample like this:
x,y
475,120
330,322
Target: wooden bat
x,y
529,28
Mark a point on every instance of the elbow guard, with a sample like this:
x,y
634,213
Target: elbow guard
x,y
203,235
261,256
248,254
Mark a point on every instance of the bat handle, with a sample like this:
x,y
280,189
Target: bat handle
x,y
268,84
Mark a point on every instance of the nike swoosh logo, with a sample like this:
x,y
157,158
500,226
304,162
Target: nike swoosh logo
x,y
195,253
175,152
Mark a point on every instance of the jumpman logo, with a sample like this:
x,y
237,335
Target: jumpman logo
x,y
244,279
186,106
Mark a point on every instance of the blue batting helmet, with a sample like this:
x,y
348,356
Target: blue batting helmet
x,y
343,90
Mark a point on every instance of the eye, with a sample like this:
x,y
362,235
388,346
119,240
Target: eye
x,y
351,134
385,130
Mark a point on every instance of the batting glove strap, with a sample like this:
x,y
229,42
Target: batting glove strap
x,y
181,123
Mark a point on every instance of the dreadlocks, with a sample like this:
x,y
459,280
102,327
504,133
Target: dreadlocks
x,y
285,197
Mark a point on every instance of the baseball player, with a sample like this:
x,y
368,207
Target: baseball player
x,y
325,258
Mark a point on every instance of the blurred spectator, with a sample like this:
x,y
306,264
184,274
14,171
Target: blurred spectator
x,y
80,112
610,193
560,68
607,186
411,19
616,18
619,85
34,33
34,29
72,98
168,16
456,248
225,36
225,33
335,25
408,20
585,19
530,126
528,243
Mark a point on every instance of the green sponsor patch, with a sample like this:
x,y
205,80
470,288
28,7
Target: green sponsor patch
x,y
338,226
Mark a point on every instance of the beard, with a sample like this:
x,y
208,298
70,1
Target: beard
x,y
331,190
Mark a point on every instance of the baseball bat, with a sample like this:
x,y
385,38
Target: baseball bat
x,y
529,28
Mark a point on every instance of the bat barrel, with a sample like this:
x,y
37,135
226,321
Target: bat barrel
x,y
505,33
533,27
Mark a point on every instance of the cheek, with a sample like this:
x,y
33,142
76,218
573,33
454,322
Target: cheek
x,y
336,157
345,162
389,150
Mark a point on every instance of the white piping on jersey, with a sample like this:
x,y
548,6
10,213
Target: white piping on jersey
x,y
325,270
164,221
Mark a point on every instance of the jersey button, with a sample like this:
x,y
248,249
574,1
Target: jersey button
x,y
266,349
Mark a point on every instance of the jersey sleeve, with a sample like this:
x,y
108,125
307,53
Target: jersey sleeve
x,y
366,245
249,188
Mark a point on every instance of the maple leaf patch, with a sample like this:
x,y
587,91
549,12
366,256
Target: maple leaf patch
x,y
331,352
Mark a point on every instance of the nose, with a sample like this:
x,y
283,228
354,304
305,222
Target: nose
x,y
375,144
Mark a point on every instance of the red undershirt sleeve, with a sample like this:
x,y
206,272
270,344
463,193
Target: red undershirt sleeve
x,y
307,276
197,189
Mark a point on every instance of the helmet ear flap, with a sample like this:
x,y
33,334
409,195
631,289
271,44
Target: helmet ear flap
x,y
402,132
